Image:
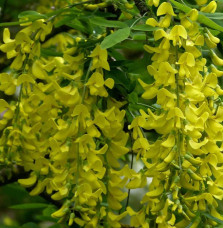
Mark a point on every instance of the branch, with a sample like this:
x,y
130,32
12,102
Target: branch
x,y
12,174
3,9
142,7
47,197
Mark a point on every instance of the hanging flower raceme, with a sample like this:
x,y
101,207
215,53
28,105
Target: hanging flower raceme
x,y
183,157
71,136
26,43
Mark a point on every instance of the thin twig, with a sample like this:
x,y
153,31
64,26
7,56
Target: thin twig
x,y
131,166
141,5
3,9
85,81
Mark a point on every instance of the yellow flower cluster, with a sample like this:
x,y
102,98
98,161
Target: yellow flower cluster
x,y
46,6
185,162
70,135
70,146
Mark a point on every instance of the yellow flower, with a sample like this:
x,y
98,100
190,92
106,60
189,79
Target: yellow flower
x,y
9,46
100,57
141,146
7,83
176,33
210,8
165,8
114,219
215,59
86,196
150,90
201,2
96,84
6,113
153,2
138,218
187,19
29,182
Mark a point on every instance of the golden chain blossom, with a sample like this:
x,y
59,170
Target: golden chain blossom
x,y
184,162
74,139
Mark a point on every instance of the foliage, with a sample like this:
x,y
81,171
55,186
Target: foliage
x,y
92,88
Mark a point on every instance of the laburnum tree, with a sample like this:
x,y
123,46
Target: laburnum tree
x,y
90,88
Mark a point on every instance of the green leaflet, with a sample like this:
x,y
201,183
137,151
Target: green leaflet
x,y
214,16
107,23
32,15
28,15
6,24
115,38
201,17
29,206
219,221
145,28
30,225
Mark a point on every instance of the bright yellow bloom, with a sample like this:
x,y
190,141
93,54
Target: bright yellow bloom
x,y
100,57
7,83
176,33
210,8
96,85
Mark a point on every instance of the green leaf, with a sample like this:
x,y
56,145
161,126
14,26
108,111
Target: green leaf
x,y
133,97
138,36
205,20
129,116
32,15
181,7
5,226
78,25
131,45
6,24
50,52
30,225
119,77
49,210
115,38
219,221
107,23
201,17
63,21
44,218
215,16
58,226
29,206
146,28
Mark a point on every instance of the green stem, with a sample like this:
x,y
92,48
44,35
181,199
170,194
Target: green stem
x,y
138,19
131,166
149,106
78,166
17,110
178,105
106,184
6,24
85,81
52,15
144,135
58,12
